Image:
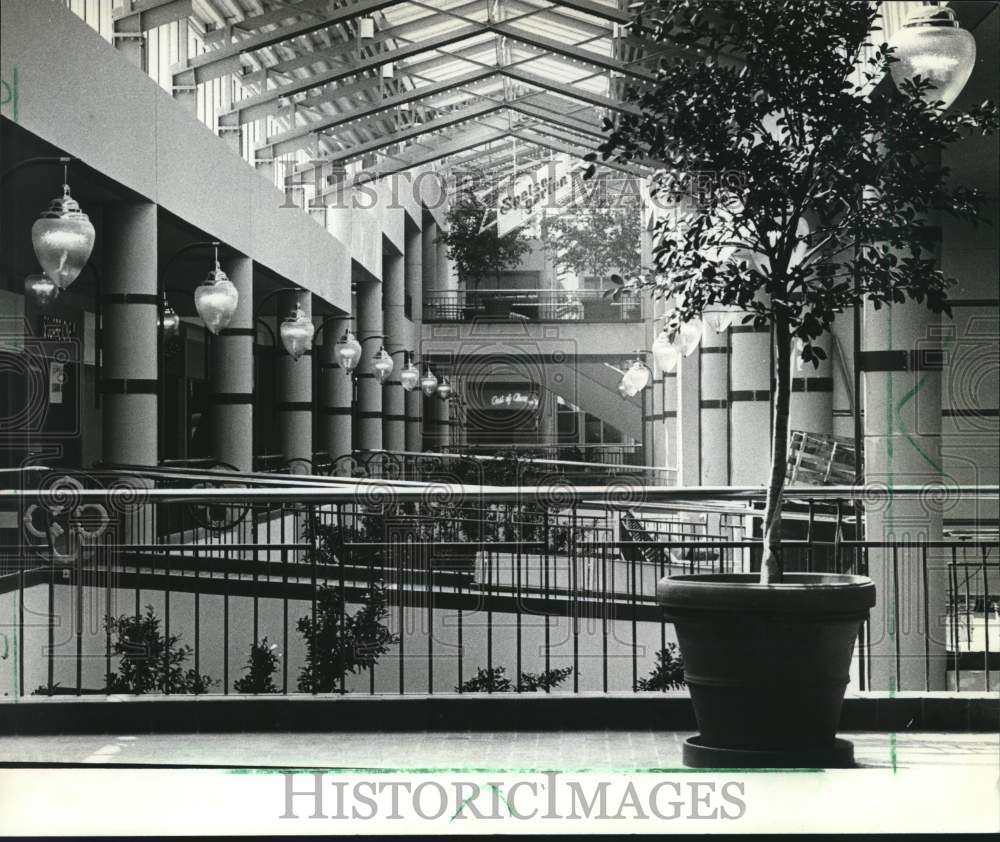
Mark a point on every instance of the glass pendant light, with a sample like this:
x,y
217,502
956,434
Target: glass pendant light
x,y
636,378
63,238
348,352
689,336
720,318
297,332
409,377
932,45
170,322
216,298
42,289
428,383
665,353
382,364
444,389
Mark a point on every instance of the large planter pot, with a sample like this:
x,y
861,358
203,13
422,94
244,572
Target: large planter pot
x,y
767,665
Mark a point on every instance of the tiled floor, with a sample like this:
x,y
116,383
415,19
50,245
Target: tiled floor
x,y
528,750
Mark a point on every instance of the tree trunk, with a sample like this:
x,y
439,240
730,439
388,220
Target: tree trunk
x,y
772,566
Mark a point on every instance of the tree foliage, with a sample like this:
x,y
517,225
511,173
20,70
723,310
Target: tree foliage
x,y
473,242
800,187
594,241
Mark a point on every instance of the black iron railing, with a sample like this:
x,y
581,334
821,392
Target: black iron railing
x,y
535,305
399,587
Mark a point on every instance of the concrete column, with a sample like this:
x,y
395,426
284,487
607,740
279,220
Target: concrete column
x,y
337,392
749,405
368,435
419,275
443,421
714,408
295,399
811,408
129,375
688,432
429,255
447,282
232,374
397,334
901,355
670,425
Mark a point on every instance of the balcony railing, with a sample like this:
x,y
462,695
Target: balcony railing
x,y
532,305
400,587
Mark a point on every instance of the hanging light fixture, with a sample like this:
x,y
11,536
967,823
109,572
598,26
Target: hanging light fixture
x,y
689,336
933,45
170,322
720,318
42,289
636,378
382,364
348,352
428,383
409,377
444,389
63,238
216,298
665,353
297,332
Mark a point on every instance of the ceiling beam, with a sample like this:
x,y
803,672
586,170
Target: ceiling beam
x,y
444,121
258,105
291,140
215,63
336,50
597,10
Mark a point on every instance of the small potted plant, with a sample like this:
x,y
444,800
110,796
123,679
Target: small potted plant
x,y
805,178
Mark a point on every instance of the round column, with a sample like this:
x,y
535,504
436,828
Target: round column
x,y
368,435
397,332
811,409
901,359
420,273
749,404
295,399
232,374
713,415
130,308
337,393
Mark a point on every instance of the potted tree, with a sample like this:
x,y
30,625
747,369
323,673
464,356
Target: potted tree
x,y
807,178
479,251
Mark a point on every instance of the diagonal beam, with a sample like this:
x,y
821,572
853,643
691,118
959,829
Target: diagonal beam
x,y
260,105
597,10
290,140
462,116
336,50
570,51
554,118
149,14
215,63
580,94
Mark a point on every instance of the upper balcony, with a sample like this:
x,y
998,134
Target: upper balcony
x,y
532,305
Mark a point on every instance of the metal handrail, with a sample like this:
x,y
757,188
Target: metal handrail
x,y
301,492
